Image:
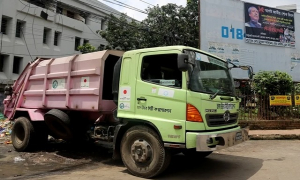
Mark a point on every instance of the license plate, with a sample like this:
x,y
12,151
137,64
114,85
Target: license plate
x,y
238,136
226,106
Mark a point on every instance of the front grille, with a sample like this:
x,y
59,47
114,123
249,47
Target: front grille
x,y
214,120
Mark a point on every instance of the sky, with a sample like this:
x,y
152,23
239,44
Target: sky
x,y
142,5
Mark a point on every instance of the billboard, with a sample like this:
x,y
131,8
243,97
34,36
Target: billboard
x,y
280,100
224,33
269,26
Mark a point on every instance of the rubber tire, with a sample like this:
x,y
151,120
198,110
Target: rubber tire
x,y
58,123
192,153
161,157
22,127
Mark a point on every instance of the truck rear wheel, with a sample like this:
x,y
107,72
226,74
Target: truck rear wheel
x,y
143,152
22,135
58,123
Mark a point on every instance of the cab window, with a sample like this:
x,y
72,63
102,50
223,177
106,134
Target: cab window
x,y
161,70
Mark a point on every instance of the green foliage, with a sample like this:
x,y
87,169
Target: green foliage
x,y
297,88
86,48
273,83
122,34
165,25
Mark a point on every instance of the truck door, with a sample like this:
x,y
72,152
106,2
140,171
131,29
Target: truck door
x,y
160,96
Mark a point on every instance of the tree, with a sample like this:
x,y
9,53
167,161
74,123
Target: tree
x,y
297,88
86,48
273,83
122,34
165,25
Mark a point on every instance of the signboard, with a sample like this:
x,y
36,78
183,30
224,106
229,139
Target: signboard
x,y
297,100
269,26
280,100
223,33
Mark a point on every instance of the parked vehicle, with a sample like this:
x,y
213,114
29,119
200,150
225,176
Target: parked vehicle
x,y
145,104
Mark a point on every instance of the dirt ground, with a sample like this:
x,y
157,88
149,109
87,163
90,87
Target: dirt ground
x,y
53,157
255,160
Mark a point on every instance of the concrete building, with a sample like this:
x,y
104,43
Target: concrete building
x,y
46,28
291,7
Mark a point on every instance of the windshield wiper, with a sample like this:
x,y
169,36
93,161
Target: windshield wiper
x,y
213,96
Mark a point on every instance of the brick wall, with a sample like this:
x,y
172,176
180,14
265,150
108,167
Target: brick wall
x,y
271,124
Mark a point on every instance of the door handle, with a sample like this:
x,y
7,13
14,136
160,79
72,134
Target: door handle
x,y
226,98
141,99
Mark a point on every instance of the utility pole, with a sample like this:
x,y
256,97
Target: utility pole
x,y
199,20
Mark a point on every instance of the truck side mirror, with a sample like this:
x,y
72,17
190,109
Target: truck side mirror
x,y
250,73
183,62
248,68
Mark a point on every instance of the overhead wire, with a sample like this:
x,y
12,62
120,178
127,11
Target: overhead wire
x,y
116,19
32,29
126,6
21,28
96,7
40,30
26,45
86,25
24,35
147,3
39,55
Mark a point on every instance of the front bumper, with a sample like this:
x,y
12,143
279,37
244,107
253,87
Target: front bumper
x,y
224,140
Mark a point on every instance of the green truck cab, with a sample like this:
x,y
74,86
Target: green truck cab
x,y
174,99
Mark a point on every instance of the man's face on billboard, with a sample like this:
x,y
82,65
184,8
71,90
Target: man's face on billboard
x,y
254,14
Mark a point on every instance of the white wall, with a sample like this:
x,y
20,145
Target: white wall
x,y
230,13
33,32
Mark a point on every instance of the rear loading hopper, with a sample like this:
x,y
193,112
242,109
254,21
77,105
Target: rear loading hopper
x,y
81,82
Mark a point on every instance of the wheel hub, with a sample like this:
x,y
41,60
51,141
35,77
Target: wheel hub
x,y
141,151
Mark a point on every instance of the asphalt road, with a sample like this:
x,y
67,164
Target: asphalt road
x,y
257,160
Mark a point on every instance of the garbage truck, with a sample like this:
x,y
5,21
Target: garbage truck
x,y
144,104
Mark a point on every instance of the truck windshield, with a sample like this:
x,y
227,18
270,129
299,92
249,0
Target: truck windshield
x,y
209,75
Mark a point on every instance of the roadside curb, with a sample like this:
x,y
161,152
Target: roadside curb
x,y
275,137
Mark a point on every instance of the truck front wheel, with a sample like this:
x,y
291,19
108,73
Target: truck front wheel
x,y
22,135
143,152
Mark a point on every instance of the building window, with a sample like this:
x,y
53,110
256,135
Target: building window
x,y
46,35
85,41
1,63
70,14
4,25
17,65
19,28
77,43
38,3
103,25
57,36
3,60
59,10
